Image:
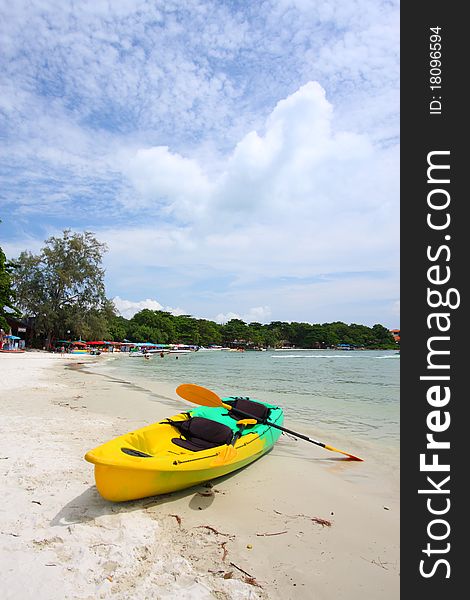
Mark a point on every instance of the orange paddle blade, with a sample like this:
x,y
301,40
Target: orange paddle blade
x,y
200,395
351,456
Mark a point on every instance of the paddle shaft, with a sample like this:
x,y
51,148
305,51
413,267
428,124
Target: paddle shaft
x,y
266,422
203,396
299,435
241,426
236,436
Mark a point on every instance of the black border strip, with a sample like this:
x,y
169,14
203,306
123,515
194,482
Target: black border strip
x,y
433,128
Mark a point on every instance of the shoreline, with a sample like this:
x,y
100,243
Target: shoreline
x,y
381,459
254,527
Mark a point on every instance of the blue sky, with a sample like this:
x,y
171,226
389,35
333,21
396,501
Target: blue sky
x,y
239,159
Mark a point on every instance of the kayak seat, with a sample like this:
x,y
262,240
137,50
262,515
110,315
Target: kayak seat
x,y
200,434
245,405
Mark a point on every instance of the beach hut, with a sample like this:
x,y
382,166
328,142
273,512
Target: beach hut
x,y
18,330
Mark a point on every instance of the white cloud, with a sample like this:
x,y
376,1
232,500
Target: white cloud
x,y
163,178
298,201
301,192
222,318
300,166
214,148
128,308
257,314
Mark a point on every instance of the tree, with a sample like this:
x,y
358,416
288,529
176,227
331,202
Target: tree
x,y
255,334
95,324
234,330
382,336
63,286
6,292
118,328
152,326
209,332
187,330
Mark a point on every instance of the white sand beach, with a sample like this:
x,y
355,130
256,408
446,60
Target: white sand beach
x,y
256,534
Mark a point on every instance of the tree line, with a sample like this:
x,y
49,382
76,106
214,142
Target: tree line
x,y
159,326
61,293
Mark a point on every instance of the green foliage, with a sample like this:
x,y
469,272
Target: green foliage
x,y
6,291
117,328
235,329
151,325
209,332
381,335
162,327
63,287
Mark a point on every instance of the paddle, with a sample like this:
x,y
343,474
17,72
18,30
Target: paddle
x,y
201,395
229,452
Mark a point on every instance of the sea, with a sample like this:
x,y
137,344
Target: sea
x,y
353,393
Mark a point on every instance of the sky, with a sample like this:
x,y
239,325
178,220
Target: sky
x,y
239,159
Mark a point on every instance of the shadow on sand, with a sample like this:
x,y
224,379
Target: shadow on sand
x,y
90,505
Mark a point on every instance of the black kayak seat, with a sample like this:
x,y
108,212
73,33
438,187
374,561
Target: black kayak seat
x,y
245,405
200,434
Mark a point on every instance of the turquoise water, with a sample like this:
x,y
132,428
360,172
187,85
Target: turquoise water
x,y
356,391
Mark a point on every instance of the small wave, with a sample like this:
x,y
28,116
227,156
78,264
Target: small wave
x,y
311,356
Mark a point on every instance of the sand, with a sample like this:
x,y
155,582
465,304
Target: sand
x,y
255,534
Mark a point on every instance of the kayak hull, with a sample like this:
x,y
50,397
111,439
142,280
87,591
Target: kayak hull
x,y
121,477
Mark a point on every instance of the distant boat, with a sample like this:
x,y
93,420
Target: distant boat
x,y
213,348
180,349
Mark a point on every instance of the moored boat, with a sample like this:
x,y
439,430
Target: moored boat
x,y
184,450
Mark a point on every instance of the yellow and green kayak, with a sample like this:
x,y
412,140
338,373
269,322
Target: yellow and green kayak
x,y
184,450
